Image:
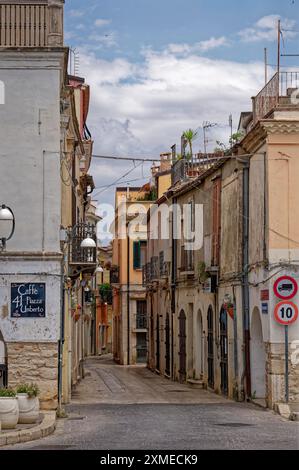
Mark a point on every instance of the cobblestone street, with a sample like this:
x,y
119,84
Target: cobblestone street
x,y
118,407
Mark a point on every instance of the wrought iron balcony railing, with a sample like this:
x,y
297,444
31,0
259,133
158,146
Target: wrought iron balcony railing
x,y
78,255
114,275
187,260
141,322
277,90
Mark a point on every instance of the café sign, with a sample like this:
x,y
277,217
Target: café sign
x,y
28,300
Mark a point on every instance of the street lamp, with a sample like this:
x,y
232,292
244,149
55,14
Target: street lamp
x,y
7,215
88,243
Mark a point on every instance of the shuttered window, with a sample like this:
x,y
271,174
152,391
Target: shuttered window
x,y
139,254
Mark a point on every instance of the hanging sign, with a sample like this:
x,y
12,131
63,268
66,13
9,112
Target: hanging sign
x,y
285,287
28,300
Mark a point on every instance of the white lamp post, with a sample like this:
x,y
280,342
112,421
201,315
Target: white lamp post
x,y
7,216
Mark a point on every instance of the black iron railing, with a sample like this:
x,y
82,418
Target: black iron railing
x,y
114,275
141,321
281,85
78,255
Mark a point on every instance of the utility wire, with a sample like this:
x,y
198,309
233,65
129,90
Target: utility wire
x,y
130,159
116,181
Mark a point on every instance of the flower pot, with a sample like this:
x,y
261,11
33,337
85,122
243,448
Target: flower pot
x,y
9,412
28,409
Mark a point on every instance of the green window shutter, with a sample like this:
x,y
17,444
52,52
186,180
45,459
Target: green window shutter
x,y
136,255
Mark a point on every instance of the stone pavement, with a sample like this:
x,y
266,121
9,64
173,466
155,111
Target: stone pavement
x,y
118,407
109,383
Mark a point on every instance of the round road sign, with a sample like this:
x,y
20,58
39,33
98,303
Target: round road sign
x,y
286,313
285,287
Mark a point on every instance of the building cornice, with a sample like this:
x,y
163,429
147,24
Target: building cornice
x,y
257,136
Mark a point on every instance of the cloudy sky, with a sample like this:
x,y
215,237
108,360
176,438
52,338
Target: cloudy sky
x,y
158,67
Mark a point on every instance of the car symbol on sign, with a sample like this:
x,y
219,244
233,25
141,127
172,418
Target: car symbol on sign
x,y
286,287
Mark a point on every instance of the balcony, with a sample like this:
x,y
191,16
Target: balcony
x,y
155,270
114,275
82,257
141,322
275,93
184,168
163,266
187,261
31,23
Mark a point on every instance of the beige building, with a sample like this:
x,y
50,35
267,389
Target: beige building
x,y
129,296
46,182
211,312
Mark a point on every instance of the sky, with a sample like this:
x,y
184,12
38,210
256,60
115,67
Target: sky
x,y
159,67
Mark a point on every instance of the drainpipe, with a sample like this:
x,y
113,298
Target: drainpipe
x,y
236,367
61,340
245,283
128,295
173,282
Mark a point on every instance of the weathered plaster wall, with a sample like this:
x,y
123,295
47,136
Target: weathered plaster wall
x,y
30,147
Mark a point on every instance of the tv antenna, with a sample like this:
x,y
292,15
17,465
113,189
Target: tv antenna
x,y
206,126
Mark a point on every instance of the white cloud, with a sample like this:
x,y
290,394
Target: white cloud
x,y
141,109
77,13
100,22
199,47
265,29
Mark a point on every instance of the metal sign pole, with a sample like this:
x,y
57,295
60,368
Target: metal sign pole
x,y
286,330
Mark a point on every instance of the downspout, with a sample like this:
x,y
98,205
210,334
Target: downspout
x,y
128,296
173,281
245,283
61,339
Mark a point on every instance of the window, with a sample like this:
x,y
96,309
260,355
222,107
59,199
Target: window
x,y
141,322
139,254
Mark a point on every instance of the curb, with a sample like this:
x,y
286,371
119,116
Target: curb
x,y
283,409
45,428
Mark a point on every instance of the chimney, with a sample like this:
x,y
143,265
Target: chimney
x,y
166,161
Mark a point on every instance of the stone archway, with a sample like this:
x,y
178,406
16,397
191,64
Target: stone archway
x,y
3,362
257,356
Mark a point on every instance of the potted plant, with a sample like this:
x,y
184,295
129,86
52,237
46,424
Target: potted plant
x,y
27,395
9,408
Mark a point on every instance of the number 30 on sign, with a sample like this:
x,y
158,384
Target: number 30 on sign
x,y
286,313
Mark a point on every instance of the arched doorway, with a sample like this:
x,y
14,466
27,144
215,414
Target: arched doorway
x,y
167,345
258,356
199,360
210,348
223,351
3,362
158,344
182,346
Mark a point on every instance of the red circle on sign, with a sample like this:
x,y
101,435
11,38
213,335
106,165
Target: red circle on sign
x,y
288,279
285,322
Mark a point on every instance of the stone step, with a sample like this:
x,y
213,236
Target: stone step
x,y
195,383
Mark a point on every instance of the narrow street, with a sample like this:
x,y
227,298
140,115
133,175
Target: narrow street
x,y
117,407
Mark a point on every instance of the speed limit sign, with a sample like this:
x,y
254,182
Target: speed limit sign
x,y
286,313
